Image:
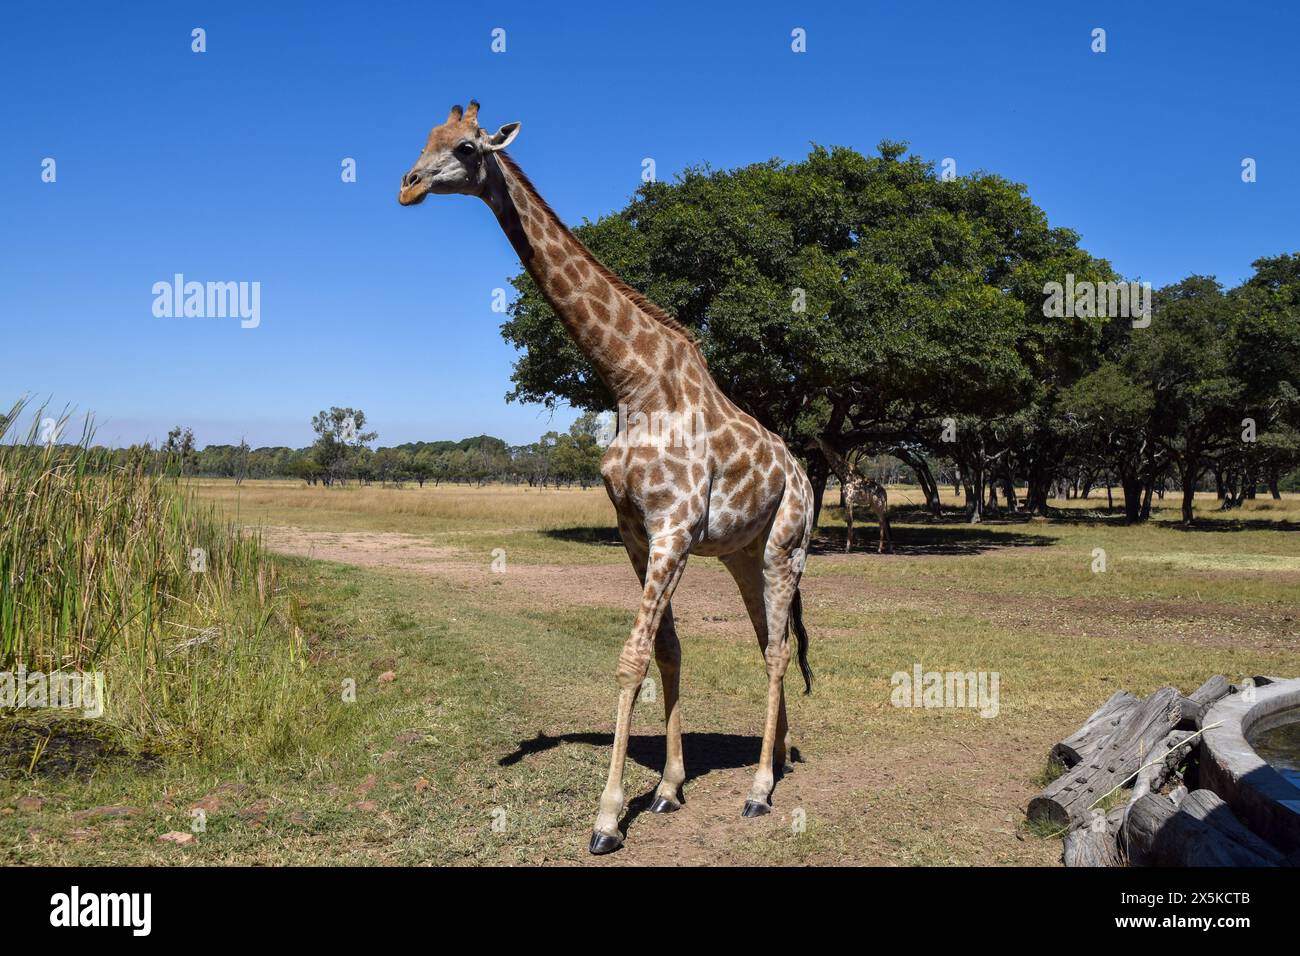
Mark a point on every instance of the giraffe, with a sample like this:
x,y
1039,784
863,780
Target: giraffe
x,y
858,490
714,482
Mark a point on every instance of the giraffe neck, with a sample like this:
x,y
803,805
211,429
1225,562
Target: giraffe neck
x,y
627,341
844,471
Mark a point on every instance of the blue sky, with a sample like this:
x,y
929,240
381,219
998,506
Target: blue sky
x,y
225,165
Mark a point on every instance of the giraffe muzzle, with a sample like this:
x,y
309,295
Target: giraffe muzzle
x,y
415,186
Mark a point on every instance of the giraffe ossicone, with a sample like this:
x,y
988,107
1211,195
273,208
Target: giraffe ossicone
x,y
720,485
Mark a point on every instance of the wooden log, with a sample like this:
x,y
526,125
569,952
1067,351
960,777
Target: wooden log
x,y
1209,808
1097,843
1084,742
1143,822
1066,801
1156,833
1195,704
1155,772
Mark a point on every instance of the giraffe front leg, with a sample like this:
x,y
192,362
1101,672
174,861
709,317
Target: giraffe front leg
x,y
668,655
782,754
848,534
666,563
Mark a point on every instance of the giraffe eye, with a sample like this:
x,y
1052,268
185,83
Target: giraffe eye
x,y
465,149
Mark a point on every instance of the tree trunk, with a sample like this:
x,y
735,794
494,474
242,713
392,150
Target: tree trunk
x,y
974,488
1009,492
817,474
1272,483
929,488
1189,475
1146,499
924,477
1132,487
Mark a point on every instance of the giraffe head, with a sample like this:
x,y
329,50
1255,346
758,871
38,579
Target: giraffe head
x,y
455,157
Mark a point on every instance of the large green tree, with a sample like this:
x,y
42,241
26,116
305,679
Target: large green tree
x,y
863,299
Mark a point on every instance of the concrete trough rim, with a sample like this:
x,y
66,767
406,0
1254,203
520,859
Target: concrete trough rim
x,y
1265,800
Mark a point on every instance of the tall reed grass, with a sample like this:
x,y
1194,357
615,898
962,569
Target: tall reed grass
x,y
109,568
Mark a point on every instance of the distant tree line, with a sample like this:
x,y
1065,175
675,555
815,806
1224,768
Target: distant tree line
x,y
342,454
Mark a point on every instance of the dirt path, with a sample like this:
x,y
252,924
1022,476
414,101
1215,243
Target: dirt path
x,y
883,802
707,601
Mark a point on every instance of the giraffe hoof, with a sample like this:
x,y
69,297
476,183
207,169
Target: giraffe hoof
x,y
787,766
602,843
755,808
664,805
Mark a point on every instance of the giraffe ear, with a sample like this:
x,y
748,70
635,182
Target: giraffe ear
x,y
503,137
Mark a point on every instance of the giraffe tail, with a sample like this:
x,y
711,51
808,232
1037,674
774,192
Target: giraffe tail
x,y
801,637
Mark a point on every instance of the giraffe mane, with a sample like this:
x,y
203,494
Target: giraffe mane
x,y
636,298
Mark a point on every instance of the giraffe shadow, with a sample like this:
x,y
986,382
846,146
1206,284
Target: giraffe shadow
x,y
704,753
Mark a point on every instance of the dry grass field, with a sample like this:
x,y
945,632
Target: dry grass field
x,y
484,694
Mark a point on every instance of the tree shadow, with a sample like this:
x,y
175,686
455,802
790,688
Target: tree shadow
x,y
586,535
1231,524
934,539
1092,516
920,514
704,753
938,540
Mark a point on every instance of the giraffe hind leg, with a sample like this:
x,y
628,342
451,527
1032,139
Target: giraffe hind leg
x,y
747,569
769,583
780,581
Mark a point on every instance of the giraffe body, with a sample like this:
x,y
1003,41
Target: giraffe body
x,y
863,493
716,484
860,492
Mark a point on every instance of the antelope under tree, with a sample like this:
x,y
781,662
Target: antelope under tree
x,y
726,487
